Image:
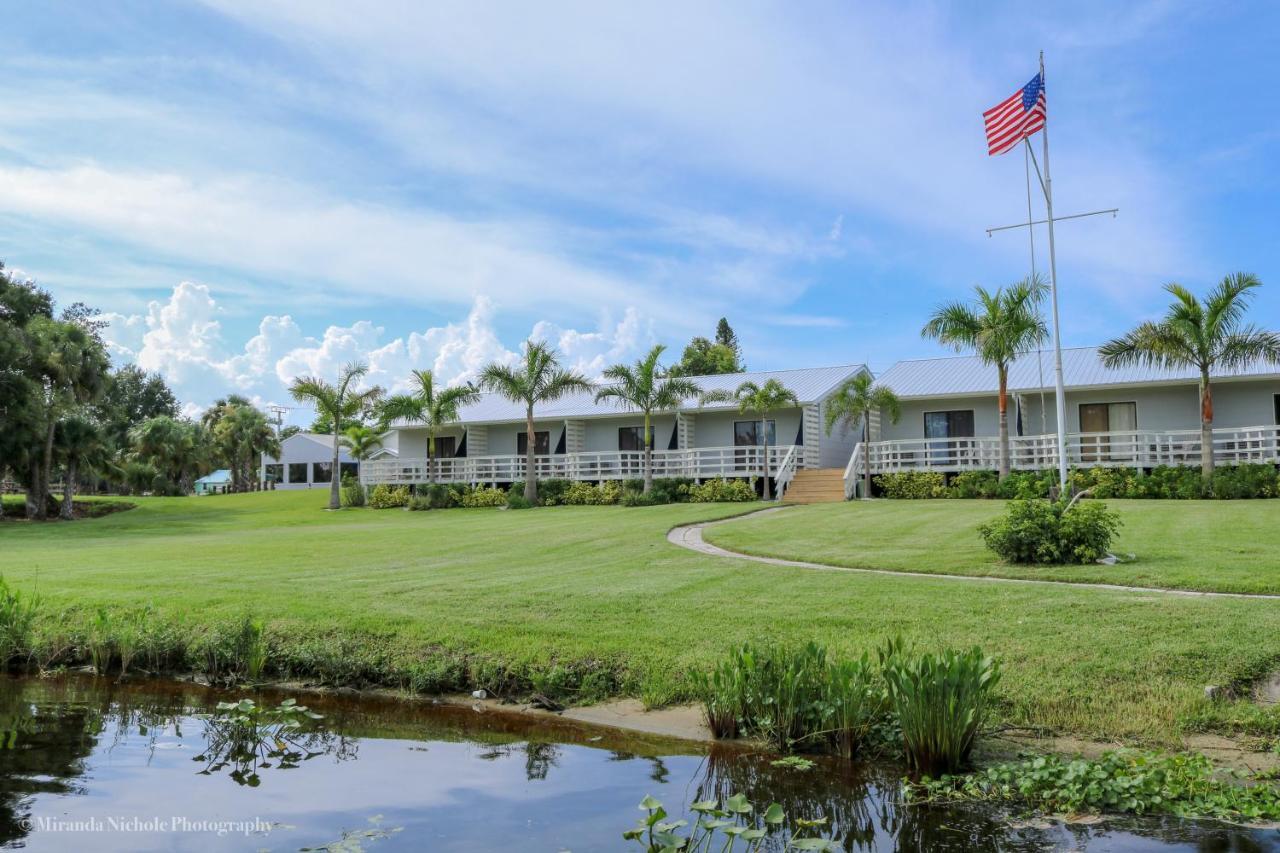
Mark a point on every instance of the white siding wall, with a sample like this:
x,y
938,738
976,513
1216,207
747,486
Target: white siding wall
x,y
301,448
602,433
715,429
834,450
1172,407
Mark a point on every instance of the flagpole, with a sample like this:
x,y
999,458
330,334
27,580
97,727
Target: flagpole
x,y
1059,393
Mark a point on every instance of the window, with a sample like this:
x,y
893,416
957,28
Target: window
x,y
1276,400
321,472
348,469
274,473
747,433
446,447
1107,417
629,438
541,443
954,424
297,472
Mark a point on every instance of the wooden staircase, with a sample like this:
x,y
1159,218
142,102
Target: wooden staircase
x,y
815,486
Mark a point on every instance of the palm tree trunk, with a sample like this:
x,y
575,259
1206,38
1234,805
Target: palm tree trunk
x,y
46,471
764,431
1004,421
68,491
431,459
530,480
335,488
648,457
1206,427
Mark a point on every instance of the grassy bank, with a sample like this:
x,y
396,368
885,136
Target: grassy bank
x,y
1219,546
583,602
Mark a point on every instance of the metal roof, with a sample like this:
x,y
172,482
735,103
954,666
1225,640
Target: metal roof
x,y
222,475
808,384
1081,368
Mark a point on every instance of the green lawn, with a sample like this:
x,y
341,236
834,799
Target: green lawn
x,y
1222,546
526,589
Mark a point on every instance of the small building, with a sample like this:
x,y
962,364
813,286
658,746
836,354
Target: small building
x,y
211,484
306,461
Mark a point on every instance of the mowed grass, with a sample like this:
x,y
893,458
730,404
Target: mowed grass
x,y
574,584
1219,546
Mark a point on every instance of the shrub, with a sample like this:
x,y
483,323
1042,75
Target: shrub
x,y
435,496
585,494
1025,485
1105,482
550,492
517,501
1036,531
1171,482
669,490
912,485
630,498
722,491
483,497
17,624
941,702
384,496
974,484
353,493
1238,482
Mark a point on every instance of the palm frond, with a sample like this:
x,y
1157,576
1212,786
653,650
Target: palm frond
x,y
1249,346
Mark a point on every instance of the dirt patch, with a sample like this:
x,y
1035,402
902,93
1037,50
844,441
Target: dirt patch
x,y
1222,751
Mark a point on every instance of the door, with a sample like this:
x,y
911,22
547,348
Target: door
x,y
747,434
1107,418
948,425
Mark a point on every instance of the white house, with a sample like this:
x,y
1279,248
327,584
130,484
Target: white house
x,y
306,461
1134,416
578,438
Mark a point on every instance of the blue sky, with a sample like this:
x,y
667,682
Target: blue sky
x,y
260,189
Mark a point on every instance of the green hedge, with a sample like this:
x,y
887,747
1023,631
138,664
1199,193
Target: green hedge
x,y
1165,482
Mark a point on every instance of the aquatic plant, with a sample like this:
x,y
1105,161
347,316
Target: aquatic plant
x,y
246,737
941,701
1123,780
736,820
101,641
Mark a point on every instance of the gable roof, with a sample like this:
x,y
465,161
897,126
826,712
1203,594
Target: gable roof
x,y
808,384
322,438
222,475
1082,367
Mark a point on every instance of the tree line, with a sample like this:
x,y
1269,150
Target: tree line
x,y
68,417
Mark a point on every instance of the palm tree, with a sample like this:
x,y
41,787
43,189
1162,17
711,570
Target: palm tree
x,y
853,402
753,399
1203,335
540,379
80,442
431,407
334,401
361,441
174,448
241,433
649,388
996,327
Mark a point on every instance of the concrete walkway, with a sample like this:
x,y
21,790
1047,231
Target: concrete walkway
x,y
690,536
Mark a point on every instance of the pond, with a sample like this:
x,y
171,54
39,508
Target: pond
x,y
88,764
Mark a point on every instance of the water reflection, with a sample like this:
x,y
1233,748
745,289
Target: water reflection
x,y
394,775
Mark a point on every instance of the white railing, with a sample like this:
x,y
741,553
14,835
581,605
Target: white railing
x,y
1124,448
700,462
854,472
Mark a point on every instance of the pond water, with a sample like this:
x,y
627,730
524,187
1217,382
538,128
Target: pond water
x,y
88,764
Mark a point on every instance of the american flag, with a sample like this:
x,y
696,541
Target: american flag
x,y
1013,120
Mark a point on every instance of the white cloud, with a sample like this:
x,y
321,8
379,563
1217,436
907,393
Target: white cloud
x,y
182,339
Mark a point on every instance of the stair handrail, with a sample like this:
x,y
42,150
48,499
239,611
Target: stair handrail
x,y
851,471
786,471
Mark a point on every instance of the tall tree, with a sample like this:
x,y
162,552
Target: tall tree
x,y
241,435
538,379
132,395
79,442
726,337
1204,336
853,404
645,386
335,400
762,400
703,357
69,365
429,406
996,327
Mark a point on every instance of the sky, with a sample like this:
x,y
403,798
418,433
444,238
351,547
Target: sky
x,y
253,191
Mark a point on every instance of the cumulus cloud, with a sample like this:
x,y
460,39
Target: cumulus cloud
x,y
182,339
